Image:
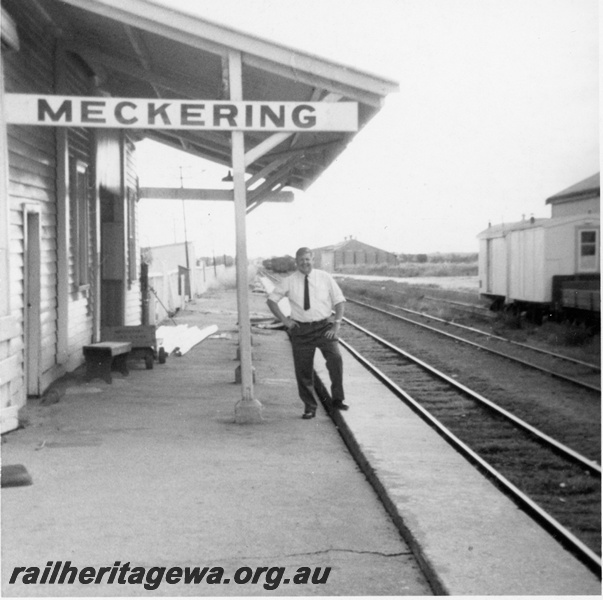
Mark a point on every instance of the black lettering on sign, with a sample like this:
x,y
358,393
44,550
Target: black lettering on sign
x,y
225,111
307,121
119,107
65,110
92,111
154,111
191,114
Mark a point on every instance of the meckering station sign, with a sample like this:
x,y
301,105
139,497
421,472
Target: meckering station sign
x,y
136,113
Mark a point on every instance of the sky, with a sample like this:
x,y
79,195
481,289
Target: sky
x,y
497,111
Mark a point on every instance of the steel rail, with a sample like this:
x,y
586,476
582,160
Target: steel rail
x,y
476,345
463,305
549,523
566,451
496,337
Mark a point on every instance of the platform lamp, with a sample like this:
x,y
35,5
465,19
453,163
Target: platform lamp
x,y
228,178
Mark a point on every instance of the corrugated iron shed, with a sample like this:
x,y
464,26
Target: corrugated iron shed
x,y
352,245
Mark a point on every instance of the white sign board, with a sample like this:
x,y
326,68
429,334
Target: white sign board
x,y
137,113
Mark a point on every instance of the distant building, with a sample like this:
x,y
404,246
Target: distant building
x,y
171,258
351,252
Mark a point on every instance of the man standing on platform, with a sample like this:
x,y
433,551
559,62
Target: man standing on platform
x,y
313,295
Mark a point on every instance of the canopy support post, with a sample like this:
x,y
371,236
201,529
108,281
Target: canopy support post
x,y
248,409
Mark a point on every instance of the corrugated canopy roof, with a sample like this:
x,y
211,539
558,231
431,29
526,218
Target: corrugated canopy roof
x,y
143,49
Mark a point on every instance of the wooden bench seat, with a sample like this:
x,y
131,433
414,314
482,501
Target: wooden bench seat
x,y
101,356
142,338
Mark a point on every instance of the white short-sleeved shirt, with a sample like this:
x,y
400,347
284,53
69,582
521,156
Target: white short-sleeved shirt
x,y
324,295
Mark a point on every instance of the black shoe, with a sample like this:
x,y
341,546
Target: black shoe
x,y
341,406
309,414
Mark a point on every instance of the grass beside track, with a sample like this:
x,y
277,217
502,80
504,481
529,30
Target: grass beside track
x,y
566,338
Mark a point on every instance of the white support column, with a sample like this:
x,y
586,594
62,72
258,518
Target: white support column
x,y
248,409
123,209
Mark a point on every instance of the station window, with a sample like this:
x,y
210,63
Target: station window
x,y
588,252
132,254
80,222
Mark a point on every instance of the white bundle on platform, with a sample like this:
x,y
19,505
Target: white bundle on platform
x,y
182,337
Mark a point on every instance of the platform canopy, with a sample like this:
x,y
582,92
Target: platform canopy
x,y
279,117
147,49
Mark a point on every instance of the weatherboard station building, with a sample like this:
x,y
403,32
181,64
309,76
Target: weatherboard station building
x,y
82,81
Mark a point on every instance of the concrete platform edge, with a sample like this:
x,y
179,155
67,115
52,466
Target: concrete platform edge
x,y
438,586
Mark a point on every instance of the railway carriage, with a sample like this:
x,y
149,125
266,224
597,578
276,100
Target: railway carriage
x,y
550,265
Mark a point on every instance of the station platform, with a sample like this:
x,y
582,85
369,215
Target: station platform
x,y
469,538
152,471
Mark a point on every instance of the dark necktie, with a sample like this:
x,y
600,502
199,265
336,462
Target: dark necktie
x,y
306,294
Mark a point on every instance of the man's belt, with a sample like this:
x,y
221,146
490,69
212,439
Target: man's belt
x,y
320,322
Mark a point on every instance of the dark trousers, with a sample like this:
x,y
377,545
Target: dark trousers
x,y
304,340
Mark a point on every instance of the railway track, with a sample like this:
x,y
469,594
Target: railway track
x,y
466,307
574,371
535,469
522,433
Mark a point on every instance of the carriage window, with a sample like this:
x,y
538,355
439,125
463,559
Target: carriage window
x,y
588,255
